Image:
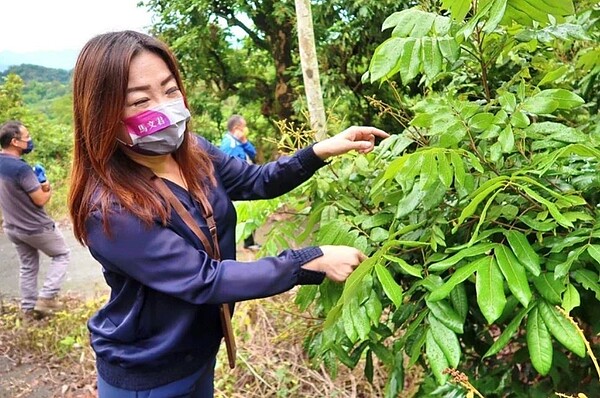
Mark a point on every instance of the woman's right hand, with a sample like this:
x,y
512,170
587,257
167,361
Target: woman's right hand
x,y
337,262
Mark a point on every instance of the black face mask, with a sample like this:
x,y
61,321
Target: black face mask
x,y
29,146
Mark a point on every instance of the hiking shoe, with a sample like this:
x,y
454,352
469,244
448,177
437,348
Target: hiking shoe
x,y
47,305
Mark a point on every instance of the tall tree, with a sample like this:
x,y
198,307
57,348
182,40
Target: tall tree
x,y
310,69
248,48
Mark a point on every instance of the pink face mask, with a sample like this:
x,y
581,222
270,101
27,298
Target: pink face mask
x,y
160,130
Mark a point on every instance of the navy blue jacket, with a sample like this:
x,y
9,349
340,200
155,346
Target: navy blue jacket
x,y
162,322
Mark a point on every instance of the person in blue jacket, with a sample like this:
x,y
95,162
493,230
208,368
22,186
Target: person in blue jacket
x,y
159,333
235,143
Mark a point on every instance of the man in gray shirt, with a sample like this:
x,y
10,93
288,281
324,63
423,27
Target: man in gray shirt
x,y
26,223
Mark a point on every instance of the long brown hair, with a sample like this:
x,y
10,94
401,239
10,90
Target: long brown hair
x,y
100,167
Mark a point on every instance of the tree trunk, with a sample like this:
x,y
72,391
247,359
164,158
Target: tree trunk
x,y
281,40
310,69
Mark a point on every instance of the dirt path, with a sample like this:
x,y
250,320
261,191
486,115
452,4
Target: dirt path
x,y
84,275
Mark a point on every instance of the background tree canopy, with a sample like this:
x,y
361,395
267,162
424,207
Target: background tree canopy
x,y
257,63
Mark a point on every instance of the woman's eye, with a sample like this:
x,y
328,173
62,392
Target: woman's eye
x,y
172,90
140,102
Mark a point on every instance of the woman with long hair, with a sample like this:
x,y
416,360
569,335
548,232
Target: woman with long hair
x,y
153,203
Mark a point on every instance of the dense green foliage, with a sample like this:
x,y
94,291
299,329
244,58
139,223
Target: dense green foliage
x,y
480,217
244,55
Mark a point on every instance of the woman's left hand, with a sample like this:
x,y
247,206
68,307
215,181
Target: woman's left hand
x,y
359,138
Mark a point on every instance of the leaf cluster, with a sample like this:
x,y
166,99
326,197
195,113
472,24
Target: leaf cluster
x,y
480,216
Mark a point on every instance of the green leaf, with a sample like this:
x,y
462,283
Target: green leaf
x,y
390,287
377,220
431,57
355,279
410,202
540,105
360,320
563,268
404,266
446,314
543,226
379,234
395,382
446,172
410,60
571,298
554,75
449,48
514,273
566,99
508,101
446,340
589,280
385,61
506,139
594,252
458,8
305,296
474,250
459,168
555,132
519,120
481,121
457,277
410,23
437,360
539,343
348,322
495,15
374,308
460,301
507,334
550,288
562,329
524,252
369,370
334,232
489,286
469,210
549,205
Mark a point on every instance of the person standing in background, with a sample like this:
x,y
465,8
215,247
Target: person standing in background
x,y
23,193
235,143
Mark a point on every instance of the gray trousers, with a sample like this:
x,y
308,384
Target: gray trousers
x,y
52,243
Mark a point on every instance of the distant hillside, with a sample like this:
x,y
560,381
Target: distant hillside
x,y
64,59
31,73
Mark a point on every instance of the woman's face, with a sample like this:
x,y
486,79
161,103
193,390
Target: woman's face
x,y
151,83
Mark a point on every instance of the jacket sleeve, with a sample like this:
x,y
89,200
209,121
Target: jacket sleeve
x,y
159,258
243,181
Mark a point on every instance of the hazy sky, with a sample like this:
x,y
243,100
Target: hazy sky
x,y
40,25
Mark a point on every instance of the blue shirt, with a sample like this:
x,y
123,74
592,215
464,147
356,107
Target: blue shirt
x,y
162,322
236,148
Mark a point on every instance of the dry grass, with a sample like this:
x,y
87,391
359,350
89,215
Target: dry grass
x,y
51,357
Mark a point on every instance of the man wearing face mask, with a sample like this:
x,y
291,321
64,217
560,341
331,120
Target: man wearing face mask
x,y
235,143
23,193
